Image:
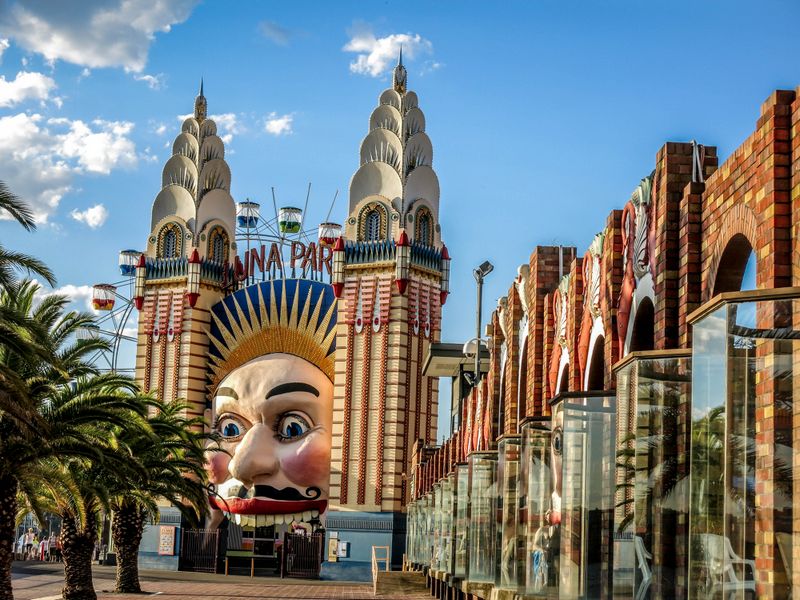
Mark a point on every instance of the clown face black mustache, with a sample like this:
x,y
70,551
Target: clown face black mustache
x,y
287,493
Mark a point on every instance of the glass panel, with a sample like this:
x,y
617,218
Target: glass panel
x,y
587,496
652,486
482,525
511,542
743,421
446,554
461,535
540,575
437,525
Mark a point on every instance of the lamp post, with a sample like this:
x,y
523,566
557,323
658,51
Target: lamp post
x,y
479,273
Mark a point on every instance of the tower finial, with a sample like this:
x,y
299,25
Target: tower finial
x,y
399,74
200,105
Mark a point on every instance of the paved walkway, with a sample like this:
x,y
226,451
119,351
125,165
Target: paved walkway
x,y
42,581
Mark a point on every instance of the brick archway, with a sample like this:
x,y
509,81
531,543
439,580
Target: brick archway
x,y
739,225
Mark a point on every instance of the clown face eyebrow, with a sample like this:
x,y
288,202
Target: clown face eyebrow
x,y
228,393
297,386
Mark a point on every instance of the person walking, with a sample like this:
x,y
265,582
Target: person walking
x,y
29,537
44,547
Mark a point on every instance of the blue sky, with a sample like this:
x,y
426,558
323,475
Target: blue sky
x,y
543,115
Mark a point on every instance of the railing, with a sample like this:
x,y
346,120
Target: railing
x,y
375,569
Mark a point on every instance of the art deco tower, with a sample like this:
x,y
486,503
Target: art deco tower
x,y
192,238
391,273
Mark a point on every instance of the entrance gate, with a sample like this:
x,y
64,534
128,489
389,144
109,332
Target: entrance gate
x,y
302,555
199,550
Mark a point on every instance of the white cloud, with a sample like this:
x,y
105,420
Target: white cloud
x,y
92,33
228,125
161,129
99,151
154,82
80,295
25,86
430,66
4,44
94,216
375,55
41,157
278,124
274,32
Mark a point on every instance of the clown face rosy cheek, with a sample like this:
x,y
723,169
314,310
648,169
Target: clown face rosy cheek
x,y
309,463
217,466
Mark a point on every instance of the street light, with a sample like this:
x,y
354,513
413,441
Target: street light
x,y
479,273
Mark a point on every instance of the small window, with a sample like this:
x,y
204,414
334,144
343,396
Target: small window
x,y
372,226
218,250
170,244
424,228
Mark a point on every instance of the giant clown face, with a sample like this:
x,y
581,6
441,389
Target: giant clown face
x,y
272,405
274,418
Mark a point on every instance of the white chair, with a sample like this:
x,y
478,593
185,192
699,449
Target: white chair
x,y
721,560
642,558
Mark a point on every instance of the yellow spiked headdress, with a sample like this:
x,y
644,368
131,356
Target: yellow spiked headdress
x,y
291,316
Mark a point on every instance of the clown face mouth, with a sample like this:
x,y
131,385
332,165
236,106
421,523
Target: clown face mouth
x,y
264,505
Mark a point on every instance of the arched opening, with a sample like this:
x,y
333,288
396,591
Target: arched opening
x,y
169,241
522,390
737,267
642,336
596,379
218,245
563,384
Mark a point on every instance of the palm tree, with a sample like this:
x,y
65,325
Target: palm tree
x,y
54,403
171,452
11,261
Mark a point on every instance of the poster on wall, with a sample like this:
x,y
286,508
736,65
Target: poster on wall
x,y
166,540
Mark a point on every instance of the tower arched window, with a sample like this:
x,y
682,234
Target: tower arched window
x,y
372,226
423,232
218,245
169,241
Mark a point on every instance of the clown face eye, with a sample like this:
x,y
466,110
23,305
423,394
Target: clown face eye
x,y
292,426
558,440
230,428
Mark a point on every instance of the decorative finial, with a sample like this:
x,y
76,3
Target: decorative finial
x,y
399,74
200,106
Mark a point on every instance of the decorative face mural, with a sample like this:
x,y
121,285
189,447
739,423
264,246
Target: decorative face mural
x,y
272,402
556,451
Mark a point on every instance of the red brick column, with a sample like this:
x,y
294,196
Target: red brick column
x,y
689,277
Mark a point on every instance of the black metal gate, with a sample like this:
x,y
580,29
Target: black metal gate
x,y
302,555
199,550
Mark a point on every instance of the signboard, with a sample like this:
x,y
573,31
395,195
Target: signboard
x,y
166,540
302,261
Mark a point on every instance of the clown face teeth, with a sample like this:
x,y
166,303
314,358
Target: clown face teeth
x,y
306,515
237,518
314,513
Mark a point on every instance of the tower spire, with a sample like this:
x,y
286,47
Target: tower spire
x,y
399,74
200,105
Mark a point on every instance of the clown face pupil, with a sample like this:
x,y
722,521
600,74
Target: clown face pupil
x,y
230,430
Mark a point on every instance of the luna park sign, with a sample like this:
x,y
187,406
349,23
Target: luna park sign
x,y
310,260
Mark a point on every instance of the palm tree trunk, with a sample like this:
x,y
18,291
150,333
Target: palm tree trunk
x,y
8,513
77,547
127,526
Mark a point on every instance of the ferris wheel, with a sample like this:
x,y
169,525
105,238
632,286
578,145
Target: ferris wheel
x,y
114,301
284,227
114,304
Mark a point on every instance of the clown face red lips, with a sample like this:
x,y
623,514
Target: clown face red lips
x,y
263,506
